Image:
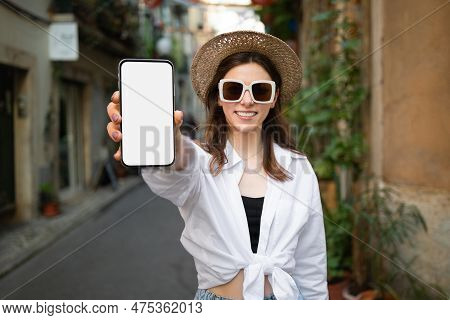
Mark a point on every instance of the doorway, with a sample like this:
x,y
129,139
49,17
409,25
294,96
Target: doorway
x,y
7,181
70,139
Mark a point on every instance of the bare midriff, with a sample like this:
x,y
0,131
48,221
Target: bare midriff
x,y
233,288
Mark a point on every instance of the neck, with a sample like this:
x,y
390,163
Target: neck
x,y
247,144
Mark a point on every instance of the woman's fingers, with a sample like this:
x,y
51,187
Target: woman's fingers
x,y
113,112
114,109
114,131
118,154
178,115
113,127
115,98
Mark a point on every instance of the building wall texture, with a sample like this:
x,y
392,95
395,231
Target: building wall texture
x,y
410,116
25,46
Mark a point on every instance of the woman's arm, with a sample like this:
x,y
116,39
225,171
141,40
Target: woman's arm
x,y
180,181
310,273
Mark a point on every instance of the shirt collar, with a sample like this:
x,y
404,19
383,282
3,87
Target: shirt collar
x,y
282,155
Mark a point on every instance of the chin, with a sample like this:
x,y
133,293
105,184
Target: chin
x,y
245,128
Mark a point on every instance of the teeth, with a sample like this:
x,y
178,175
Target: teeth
x,y
246,114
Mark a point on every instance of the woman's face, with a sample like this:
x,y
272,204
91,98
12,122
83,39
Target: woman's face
x,y
247,73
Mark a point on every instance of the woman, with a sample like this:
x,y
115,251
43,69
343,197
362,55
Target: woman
x,y
250,201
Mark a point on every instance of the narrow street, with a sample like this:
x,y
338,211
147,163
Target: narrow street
x,y
139,257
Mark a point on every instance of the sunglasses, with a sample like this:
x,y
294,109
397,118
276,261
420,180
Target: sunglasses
x,y
232,90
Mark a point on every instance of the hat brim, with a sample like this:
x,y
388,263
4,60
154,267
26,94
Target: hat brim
x,y
209,56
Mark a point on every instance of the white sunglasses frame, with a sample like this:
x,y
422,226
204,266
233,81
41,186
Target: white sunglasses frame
x,y
249,88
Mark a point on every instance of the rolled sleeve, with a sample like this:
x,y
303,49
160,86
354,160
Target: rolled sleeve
x,y
176,185
310,272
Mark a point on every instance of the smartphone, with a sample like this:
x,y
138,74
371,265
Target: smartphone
x,y
147,98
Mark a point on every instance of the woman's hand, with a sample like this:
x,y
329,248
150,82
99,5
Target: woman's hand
x,y
113,127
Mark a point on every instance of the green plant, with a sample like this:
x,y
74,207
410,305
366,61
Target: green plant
x,y
331,102
117,21
383,225
330,107
47,193
280,18
339,241
177,54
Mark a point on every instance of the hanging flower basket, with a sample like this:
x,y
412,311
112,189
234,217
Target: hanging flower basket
x,y
263,2
152,3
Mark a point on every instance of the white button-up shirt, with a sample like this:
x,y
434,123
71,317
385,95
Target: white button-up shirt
x,y
291,248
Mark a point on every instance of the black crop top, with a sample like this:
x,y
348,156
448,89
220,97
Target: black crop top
x,y
253,210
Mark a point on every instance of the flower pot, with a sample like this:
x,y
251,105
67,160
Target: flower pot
x,y
369,294
50,209
336,288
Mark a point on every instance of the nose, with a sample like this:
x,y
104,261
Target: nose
x,y
247,98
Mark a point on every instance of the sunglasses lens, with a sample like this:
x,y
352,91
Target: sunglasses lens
x,y
232,90
262,91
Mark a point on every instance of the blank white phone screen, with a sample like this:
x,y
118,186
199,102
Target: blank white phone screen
x,y
147,100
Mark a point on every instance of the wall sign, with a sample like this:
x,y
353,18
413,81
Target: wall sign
x,y
63,41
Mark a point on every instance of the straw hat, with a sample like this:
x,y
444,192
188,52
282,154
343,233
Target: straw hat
x,y
209,56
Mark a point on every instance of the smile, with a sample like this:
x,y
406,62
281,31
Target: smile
x,y
245,115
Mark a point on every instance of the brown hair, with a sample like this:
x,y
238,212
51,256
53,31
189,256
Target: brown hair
x,y
275,127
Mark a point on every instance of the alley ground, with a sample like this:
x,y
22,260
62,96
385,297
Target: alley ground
x,y
139,257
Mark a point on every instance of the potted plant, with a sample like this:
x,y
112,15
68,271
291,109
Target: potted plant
x,y
337,224
382,226
48,199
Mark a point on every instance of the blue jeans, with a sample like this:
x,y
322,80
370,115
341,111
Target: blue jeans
x,y
205,294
